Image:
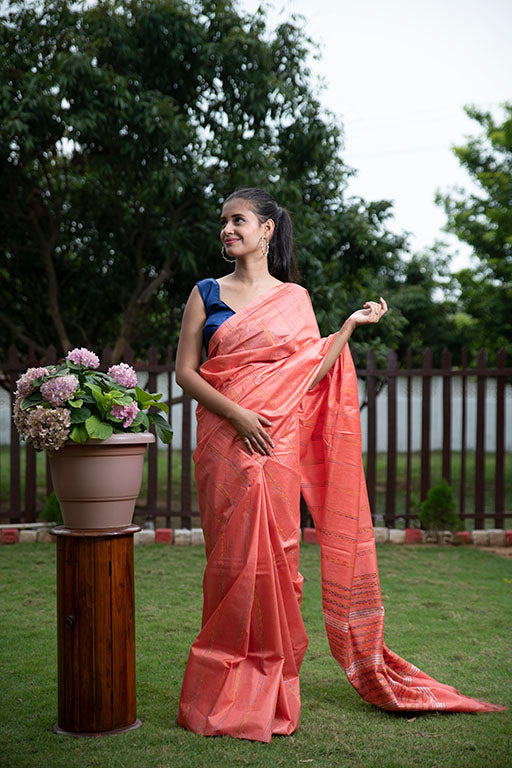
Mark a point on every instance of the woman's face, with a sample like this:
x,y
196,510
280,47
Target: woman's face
x,y
241,230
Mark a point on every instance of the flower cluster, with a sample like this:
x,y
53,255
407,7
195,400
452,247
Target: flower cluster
x,y
59,389
83,356
25,383
45,428
20,416
123,374
127,412
73,401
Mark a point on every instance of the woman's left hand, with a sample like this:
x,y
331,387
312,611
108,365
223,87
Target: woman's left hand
x,y
371,312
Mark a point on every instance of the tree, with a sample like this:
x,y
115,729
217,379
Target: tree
x,y
484,221
122,127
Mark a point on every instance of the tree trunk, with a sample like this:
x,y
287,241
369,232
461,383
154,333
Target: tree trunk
x,y
135,308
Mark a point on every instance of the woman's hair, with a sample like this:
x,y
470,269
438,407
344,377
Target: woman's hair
x,y
281,258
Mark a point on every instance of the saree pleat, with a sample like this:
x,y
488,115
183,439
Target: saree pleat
x,y
242,675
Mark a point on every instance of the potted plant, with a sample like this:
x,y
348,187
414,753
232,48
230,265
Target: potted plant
x,y
94,427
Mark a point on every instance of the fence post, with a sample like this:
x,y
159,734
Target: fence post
x,y
168,498
425,423
464,376
14,448
390,514
481,364
106,357
29,512
152,447
446,365
499,478
409,438
186,520
50,358
371,463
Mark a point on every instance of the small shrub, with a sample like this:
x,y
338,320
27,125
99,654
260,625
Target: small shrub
x,y
438,511
52,512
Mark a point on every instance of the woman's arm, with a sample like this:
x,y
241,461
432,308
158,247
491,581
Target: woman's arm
x,y
371,313
248,424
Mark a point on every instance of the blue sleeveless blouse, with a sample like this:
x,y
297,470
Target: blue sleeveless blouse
x,y
216,310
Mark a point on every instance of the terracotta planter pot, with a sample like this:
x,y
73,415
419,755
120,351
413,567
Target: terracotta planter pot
x,y
97,483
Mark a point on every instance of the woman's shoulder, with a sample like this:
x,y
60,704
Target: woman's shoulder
x,y
207,288
297,289
206,281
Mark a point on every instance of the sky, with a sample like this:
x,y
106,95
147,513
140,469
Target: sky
x,y
398,74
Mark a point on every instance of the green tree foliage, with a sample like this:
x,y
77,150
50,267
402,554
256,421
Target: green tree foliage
x,y
429,321
484,221
122,127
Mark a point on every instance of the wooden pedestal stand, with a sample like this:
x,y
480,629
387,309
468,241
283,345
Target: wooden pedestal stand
x,y
96,631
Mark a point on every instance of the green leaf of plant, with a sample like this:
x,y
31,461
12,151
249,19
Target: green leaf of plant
x,y
75,403
163,430
98,429
114,419
123,400
138,419
88,398
33,399
93,387
79,434
161,406
142,396
103,401
79,415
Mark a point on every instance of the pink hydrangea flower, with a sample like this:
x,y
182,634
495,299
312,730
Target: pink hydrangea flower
x,y
83,356
20,417
26,382
127,412
123,374
59,389
47,429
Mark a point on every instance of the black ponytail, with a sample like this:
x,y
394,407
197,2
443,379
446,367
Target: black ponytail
x,y
281,258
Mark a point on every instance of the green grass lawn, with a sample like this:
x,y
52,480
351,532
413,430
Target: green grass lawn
x,y
448,610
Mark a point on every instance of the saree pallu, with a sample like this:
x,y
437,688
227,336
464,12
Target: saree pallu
x,y
242,674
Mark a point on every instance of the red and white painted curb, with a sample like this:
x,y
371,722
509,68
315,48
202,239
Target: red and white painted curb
x,y
492,537
184,537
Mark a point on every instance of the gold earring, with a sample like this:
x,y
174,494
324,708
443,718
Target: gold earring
x,y
223,254
264,248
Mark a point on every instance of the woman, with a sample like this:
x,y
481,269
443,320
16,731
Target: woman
x,y
278,415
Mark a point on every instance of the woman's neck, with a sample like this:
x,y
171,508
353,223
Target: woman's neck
x,y
251,274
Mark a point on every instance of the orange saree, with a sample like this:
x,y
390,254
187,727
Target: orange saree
x,y
242,675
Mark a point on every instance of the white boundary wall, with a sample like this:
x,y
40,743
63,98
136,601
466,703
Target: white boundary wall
x,y
436,414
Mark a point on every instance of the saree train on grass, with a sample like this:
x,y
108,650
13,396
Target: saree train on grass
x,y
242,675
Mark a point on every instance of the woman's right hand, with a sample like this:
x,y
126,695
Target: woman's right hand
x,y
372,312
251,428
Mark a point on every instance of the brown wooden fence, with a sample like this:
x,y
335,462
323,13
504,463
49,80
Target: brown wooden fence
x,y
476,502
